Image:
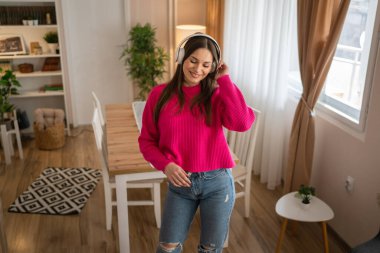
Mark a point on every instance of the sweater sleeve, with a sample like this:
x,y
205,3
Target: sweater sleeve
x,y
149,136
236,114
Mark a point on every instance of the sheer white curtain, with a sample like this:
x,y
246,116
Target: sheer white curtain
x,y
257,37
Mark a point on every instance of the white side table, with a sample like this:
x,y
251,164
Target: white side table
x,y
289,207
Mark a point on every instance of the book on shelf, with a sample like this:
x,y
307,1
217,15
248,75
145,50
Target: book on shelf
x,y
52,88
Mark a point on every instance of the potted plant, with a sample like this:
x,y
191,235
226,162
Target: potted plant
x,y
144,61
8,86
306,193
51,38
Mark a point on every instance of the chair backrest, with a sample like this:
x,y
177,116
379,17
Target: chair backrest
x,y
101,144
98,105
99,127
138,109
243,143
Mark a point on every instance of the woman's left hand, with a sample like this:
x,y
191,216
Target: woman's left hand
x,y
221,70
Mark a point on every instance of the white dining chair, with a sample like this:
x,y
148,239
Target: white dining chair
x,y
243,144
98,125
138,109
7,134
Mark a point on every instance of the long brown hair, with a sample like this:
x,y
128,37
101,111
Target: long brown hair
x,y
174,87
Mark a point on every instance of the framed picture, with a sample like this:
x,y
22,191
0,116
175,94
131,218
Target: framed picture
x,y
11,44
35,48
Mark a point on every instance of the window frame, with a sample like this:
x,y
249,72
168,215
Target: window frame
x,y
334,112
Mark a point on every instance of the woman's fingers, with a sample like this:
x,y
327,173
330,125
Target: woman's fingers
x,y
180,178
177,176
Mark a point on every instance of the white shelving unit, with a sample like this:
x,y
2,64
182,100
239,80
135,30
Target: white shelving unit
x,y
31,96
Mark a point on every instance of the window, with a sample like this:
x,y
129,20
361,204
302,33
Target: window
x,y
346,91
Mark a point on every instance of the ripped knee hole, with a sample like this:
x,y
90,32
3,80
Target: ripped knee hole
x,y
169,247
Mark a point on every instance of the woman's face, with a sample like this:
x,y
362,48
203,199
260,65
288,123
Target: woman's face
x,y
197,66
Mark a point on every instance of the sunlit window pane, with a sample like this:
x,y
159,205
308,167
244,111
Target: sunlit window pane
x,y
347,76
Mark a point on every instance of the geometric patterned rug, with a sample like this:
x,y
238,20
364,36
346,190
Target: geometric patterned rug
x,y
58,191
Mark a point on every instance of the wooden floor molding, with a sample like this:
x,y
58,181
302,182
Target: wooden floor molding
x,y
31,233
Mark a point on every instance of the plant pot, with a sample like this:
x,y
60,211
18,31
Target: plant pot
x,y
8,124
305,206
53,47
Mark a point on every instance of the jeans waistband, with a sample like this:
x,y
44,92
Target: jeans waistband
x,y
206,173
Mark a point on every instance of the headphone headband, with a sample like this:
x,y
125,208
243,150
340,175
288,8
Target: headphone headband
x,y
180,51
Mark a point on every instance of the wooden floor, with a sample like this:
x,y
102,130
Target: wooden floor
x,y
31,233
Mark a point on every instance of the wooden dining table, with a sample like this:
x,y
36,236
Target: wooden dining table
x,y
126,162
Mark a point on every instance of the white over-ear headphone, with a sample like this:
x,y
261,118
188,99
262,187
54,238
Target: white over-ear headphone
x,y
180,51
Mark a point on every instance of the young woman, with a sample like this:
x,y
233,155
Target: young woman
x,y
182,135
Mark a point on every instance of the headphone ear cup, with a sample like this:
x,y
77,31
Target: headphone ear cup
x,y
180,55
213,67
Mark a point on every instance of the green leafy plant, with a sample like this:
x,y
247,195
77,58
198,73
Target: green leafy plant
x,y
144,61
8,86
51,37
306,192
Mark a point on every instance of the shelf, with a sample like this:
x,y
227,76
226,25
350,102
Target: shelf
x,y
38,73
27,26
28,94
31,91
27,56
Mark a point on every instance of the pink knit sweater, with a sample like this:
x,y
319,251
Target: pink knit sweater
x,y
184,138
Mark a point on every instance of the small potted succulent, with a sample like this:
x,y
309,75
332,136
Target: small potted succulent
x,y
51,38
306,193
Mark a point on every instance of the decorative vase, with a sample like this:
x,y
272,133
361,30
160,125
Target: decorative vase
x,y
53,47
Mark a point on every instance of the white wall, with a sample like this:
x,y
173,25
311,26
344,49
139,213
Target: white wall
x,y
94,32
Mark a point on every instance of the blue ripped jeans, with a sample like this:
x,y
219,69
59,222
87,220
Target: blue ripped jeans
x,y
214,193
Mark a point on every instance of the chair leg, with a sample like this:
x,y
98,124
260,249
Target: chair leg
x,y
5,143
157,203
247,196
108,204
10,141
19,145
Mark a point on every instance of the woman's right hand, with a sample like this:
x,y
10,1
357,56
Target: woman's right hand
x,y
176,175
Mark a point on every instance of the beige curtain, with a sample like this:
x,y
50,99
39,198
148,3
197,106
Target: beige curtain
x,y
215,20
319,25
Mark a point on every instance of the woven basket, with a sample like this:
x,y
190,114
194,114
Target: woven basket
x,y
52,137
25,68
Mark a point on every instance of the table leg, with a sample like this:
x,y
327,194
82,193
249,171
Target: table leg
x,y
281,237
122,203
325,240
122,213
5,143
294,227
